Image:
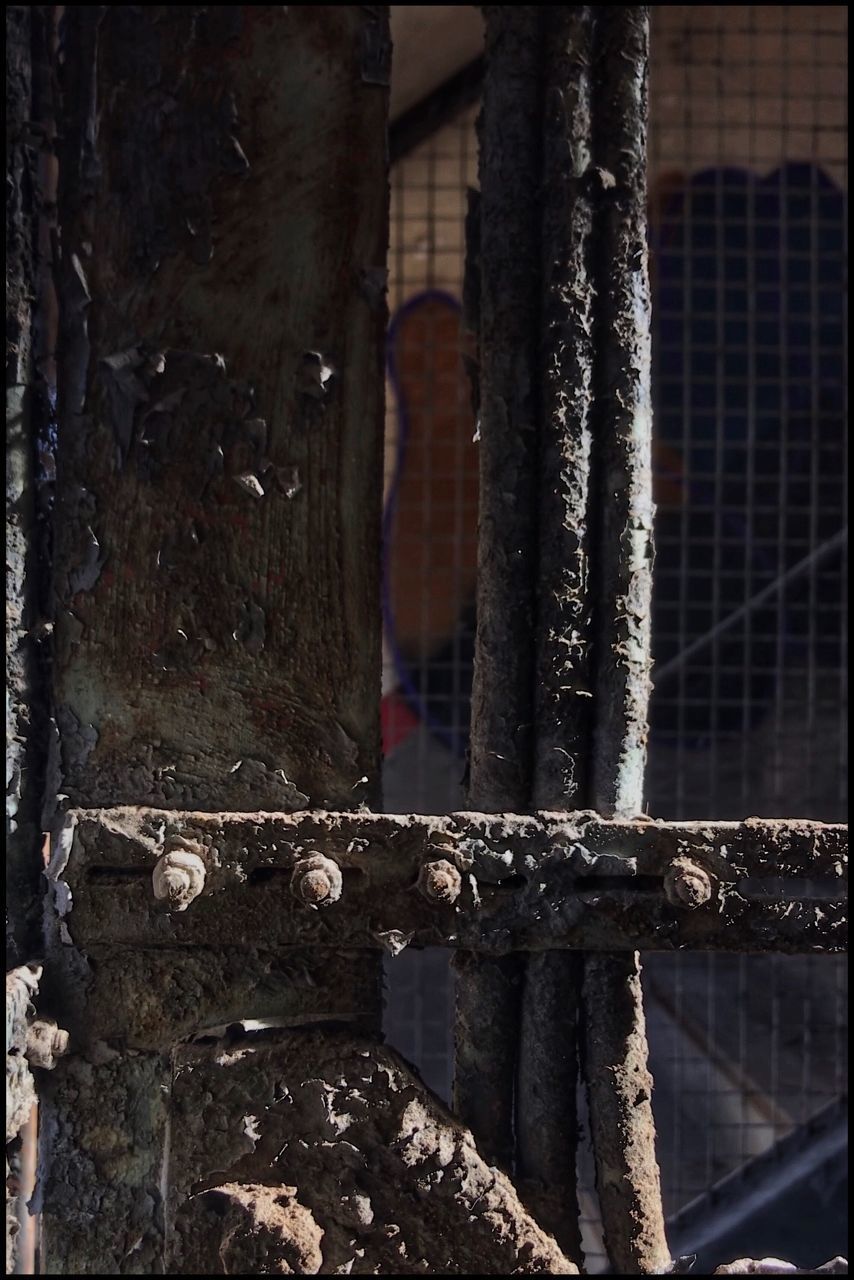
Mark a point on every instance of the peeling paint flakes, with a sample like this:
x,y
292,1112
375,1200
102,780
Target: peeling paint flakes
x,y
251,1129
84,296
250,484
394,940
316,374
84,577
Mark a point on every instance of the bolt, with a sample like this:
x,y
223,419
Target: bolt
x,y
316,881
440,881
686,884
178,878
45,1043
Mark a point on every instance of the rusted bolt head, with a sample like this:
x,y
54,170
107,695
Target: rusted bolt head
x,y
686,884
178,878
316,881
45,1043
440,881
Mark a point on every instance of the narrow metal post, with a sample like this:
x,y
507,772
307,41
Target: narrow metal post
x,y
487,992
502,692
564,605
546,1111
615,1051
561,679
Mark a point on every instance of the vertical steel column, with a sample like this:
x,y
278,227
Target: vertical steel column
x,y
487,992
561,678
615,1051
546,1113
564,604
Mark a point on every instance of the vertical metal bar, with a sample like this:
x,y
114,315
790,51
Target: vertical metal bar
x,y
619,1088
509,315
486,1031
502,712
623,434
546,1110
563,694
536,283
185,719
546,1102
615,1051
26,711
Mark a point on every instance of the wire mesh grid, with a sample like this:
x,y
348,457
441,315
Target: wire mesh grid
x,y
748,218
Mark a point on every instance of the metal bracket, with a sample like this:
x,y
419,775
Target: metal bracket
x,y
494,884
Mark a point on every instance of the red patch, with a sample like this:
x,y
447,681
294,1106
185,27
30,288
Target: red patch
x,y
398,721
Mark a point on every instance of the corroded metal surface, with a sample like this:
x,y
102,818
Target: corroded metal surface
x,y
223,214
509,260
317,1151
614,1041
526,883
505,276
220,454
565,604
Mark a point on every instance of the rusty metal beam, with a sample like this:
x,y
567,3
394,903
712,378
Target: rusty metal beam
x,y
621,583
502,692
510,172
480,882
486,1032
216,531
546,1100
547,1077
619,1085
614,1044
564,678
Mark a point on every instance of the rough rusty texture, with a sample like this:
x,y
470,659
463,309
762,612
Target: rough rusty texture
x,y
776,1267
21,987
26,724
546,1112
619,1087
21,866
506,315
217,559
486,1031
156,998
527,883
106,1127
564,612
509,130
621,588
331,1158
223,208
26,712
546,1120
622,565
30,1043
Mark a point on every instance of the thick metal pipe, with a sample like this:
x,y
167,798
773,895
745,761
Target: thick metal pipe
x,y
487,992
502,691
546,1110
618,1081
565,574
564,605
